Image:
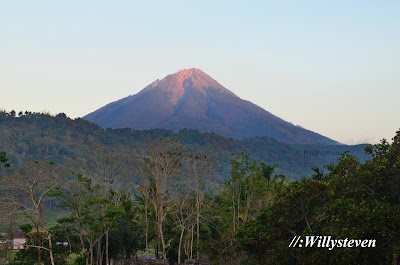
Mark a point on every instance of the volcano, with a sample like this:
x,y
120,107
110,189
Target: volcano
x,y
191,99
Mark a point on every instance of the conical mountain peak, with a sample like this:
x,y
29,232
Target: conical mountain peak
x,y
187,81
192,99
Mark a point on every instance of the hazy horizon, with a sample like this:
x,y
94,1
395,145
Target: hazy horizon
x,y
329,67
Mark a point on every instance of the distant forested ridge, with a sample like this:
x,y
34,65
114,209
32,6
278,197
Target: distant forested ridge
x,y
30,135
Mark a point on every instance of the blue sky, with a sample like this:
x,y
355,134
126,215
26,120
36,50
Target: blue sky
x,y
329,66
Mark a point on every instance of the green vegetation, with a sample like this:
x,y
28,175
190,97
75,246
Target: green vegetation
x,y
354,200
41,136
99,198
4,159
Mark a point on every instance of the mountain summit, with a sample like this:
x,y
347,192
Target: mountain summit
x,y
176,85
192,99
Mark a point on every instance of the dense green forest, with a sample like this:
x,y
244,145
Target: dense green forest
x,y
25,136
120,194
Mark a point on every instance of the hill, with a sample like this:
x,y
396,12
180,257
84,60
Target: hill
x,y
42,136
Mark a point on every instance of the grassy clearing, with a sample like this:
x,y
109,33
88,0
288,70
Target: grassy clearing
x,y
151,251
50,217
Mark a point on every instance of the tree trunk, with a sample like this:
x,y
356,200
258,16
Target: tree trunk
x,y
180,244
91,253
50,248
198,234
70,250
164,256
39,250
107,258
99,255
247,210
234,215
191,243
39,245
158,247
147,231
84,250
238,213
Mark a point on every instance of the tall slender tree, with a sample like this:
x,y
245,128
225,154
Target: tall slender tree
x,y
162,161
28,191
